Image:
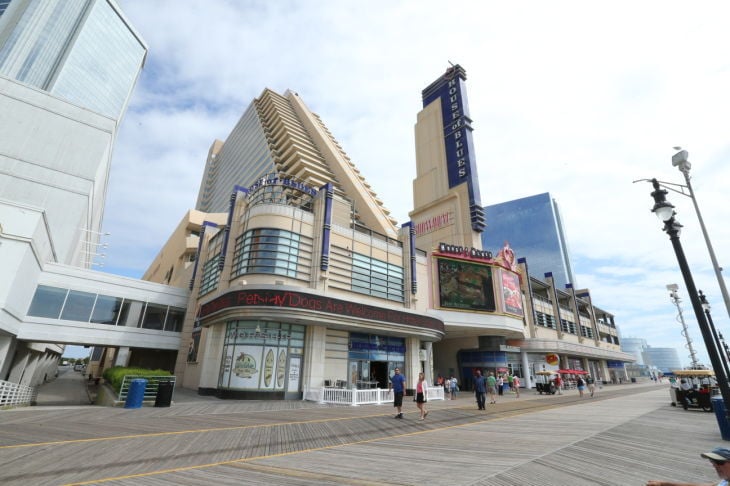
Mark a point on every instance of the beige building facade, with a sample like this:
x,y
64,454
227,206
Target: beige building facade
x,y
306,282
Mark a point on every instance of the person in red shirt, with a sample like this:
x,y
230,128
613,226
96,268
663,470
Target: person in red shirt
x,y
559,383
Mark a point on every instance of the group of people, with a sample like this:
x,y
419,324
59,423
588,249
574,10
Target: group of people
x,y
581,384
451,386
398,384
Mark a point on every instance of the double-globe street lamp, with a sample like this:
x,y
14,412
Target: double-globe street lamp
x,y
715,337
665,212
680,160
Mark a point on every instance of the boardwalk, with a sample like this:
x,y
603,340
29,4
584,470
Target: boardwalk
x,y
625,436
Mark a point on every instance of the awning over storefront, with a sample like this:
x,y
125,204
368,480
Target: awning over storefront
x,y
572,372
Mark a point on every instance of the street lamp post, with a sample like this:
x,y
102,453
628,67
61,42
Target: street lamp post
x,y
681,161
665,212
706,308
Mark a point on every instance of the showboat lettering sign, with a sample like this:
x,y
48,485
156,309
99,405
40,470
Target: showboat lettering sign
x,y
465,252
287,299
274,180
433,223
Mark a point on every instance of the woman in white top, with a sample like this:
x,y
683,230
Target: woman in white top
x,y
421,395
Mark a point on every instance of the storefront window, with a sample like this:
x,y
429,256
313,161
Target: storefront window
x,y
372,359
262,355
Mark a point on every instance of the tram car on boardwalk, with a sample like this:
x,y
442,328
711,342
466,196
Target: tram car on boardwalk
x,y
702,387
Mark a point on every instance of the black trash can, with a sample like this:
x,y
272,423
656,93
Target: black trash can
x,y
719,408
633,380
164,394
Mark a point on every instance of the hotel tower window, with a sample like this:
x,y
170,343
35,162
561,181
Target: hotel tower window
x,y
268,250
211,268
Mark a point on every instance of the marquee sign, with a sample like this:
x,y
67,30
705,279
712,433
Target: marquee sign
x,y
288,299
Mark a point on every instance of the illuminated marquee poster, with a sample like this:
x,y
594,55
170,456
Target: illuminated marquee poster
x,y
511,293
465,285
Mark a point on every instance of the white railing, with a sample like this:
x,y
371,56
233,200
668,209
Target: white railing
x,y
370,396
16,394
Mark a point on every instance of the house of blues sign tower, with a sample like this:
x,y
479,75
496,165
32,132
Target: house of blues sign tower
x,y
447,206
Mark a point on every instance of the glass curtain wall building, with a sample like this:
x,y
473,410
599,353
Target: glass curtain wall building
x,y
83,51
534,229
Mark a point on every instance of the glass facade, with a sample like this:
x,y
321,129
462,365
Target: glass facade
x,y
73,305
102,67
533,227
3,6
268,250
79,50
262,356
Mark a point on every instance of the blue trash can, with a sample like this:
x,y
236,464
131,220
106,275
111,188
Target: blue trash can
x,y
720,414
135,395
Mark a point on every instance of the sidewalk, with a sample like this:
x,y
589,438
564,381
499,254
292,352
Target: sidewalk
x,y
69,388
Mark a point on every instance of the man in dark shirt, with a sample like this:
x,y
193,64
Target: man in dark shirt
x,y
398,382
480,389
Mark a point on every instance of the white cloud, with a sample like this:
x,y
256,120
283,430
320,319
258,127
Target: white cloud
x,y
575,98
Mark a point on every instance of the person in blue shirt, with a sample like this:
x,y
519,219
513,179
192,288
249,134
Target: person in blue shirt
x,y
398,383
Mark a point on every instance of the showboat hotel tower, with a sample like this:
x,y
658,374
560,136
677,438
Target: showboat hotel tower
x,y
301,280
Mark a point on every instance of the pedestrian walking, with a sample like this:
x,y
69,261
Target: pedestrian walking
x,y
516,385
453,386
421,395
581,384
491,387
559,384
398,384
509,381
480,389
500,385
591,385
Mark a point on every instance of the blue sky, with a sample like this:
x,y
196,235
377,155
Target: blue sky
x,y
578,99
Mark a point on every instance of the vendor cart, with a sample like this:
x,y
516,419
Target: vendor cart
x,y
544,382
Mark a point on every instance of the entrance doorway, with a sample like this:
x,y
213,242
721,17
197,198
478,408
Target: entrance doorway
x,y
379,373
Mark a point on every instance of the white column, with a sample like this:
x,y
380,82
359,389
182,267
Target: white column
x,y
526,371
7,349
18,366
413,364
313,359
429,362
122,356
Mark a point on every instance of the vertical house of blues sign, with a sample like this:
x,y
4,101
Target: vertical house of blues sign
x,y
461,167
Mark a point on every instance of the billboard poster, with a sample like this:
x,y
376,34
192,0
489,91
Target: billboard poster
x,y
281,369
268,371
294,365
511,293
465,285
247,367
